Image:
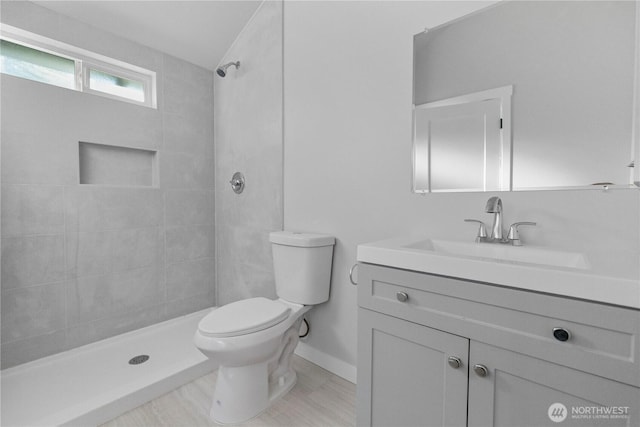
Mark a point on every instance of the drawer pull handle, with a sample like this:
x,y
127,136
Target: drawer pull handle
x,y
481,370
454,362
402,296
561,334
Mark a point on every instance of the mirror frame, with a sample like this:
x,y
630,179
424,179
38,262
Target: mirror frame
x,y
635,133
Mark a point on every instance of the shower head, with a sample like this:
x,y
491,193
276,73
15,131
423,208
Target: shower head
x,y
222,70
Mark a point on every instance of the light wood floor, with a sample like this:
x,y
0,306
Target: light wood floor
x,y
318,399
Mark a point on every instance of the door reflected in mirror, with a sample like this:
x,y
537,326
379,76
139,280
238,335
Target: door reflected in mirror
x,y
459,143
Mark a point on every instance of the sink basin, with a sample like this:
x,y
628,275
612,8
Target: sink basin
x,y
531,268
503,253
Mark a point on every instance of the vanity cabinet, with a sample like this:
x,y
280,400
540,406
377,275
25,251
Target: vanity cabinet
x,y
408,377
435,350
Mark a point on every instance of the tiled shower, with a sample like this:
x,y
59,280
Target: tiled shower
x,y
82,262
249,138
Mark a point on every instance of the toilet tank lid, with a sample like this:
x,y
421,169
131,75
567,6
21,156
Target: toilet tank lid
x,y
307,240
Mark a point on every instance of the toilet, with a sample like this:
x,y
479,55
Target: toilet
x,y
253,340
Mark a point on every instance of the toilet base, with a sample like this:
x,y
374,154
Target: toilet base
x,y
245,392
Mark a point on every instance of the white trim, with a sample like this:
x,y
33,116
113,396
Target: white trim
x,y
145,80
635,132
85,59
504,93
326,361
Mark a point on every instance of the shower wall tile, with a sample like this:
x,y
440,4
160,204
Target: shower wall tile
x,y
252,243
36,310
87,254
86,333
186,171
188,134
94,297
32,209
35,108
189,305
104,208
243,254
113,251
32,260
259,206
142,247
187,207
177,69
189,243
38,159
241,281
190,278
21,351
32,108
137,127
187,98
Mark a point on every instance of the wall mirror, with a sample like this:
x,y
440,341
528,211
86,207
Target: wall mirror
x,y
526,95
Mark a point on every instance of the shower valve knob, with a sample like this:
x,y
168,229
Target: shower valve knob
x,y
237,182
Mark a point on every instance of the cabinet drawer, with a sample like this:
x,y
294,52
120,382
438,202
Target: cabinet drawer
x,y
601,339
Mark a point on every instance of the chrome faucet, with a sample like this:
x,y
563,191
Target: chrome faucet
x,y
494,206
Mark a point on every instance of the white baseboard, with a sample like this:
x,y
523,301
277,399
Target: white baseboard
x,y
326,361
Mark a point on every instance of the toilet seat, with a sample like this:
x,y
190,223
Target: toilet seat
x,y
243,317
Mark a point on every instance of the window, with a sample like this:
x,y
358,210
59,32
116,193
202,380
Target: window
x,y
29,56
32,64
104,82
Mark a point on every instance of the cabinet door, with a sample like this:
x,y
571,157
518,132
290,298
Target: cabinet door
x,y
519,390
404,378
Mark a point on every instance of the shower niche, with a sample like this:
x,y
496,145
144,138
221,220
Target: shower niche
x,y
112,165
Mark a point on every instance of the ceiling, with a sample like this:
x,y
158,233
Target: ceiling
x,y
197,31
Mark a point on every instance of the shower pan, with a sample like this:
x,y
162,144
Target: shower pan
x,y
95,383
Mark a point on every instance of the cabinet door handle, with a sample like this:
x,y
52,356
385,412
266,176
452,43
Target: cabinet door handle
x,y
481,370
402,296
561,334
454,362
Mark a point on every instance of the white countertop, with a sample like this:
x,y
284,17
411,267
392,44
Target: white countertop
x,y
564,281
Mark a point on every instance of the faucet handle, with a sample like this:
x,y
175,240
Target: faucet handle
x,y
514,236
482,230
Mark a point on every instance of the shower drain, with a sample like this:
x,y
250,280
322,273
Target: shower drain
x,y
138,359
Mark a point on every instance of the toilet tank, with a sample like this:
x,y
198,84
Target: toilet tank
x,y
302,266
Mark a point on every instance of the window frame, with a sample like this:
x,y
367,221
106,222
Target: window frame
x,y
85,61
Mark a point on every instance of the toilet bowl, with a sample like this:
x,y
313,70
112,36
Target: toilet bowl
x,y
254,359
253,340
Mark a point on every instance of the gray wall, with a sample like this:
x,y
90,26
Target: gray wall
x,y
248,134
82,262
348,159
